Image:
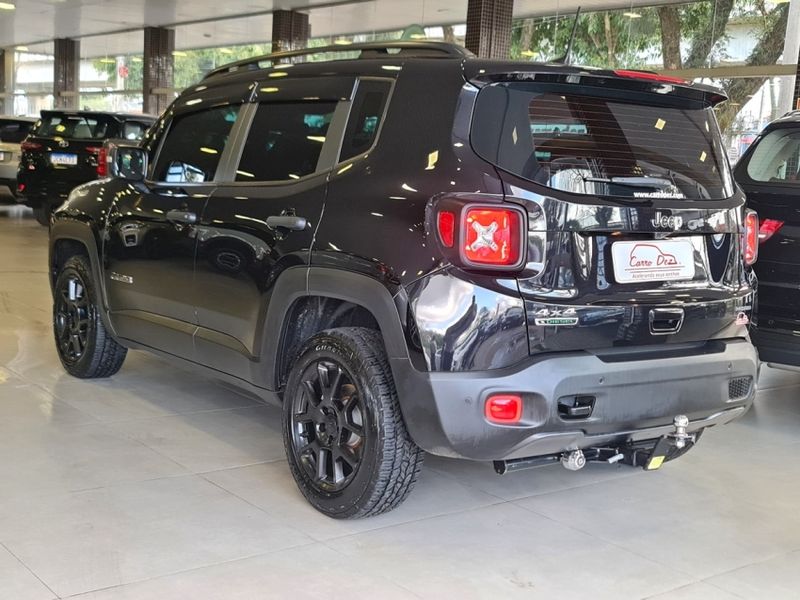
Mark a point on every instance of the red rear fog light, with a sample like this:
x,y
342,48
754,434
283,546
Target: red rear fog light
x,y
504,408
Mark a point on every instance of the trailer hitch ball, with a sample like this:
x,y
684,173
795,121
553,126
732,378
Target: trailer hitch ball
x,y
681,422
574,460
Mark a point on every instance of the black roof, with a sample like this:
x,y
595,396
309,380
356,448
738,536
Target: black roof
x,y
18,118
370,58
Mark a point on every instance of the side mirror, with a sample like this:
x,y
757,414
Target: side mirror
x,y
125,160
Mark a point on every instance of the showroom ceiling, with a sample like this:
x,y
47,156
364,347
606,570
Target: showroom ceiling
x,y
204,23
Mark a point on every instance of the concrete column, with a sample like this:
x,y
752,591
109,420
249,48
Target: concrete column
x,y
791,53
158,77
290,30
489,27
66,73
7,81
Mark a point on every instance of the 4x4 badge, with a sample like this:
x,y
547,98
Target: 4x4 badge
x,y
547,317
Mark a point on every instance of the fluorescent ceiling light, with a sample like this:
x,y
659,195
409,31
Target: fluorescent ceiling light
x,y
632,15
7,6
21,48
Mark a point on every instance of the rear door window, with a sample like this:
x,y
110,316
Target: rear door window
x,y
194,144
776,158
285,141
603,146
76,126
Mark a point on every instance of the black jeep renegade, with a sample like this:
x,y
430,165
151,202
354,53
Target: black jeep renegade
x,y
411,249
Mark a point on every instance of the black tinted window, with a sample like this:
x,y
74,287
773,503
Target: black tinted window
x,y
285,141
602,145
133,130
76,126
13,132
776,158
194,145
365,117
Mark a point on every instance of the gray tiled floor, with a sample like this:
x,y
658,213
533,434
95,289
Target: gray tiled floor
x,y
160,484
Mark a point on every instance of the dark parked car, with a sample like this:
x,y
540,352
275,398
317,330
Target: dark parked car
x,y
64,150
769,173
413,249
12,131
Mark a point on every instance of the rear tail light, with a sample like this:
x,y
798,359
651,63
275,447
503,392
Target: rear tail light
x,y
768,228
477,234
28,146
751,236
102,163
504,409
492,237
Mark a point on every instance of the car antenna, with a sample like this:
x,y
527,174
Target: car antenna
x,y
565,60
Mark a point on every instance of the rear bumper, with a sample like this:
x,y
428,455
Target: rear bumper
x,y
776,346
636,398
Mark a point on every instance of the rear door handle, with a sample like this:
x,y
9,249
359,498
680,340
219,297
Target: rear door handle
x,y
181,216
290,222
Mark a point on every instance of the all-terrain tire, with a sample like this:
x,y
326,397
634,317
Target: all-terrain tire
x,y
389,462
84,346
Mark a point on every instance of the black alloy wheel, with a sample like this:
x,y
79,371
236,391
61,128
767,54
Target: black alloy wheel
x,y
73,317
346,442
327,425
85,347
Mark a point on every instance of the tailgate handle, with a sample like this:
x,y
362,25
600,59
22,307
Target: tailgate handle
x,y
664,321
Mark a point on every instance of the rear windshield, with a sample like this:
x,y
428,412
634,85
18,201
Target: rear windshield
x,y
13,132
601,145
76,127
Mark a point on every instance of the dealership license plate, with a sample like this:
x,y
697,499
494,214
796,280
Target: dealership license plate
x,y
653,260
58,158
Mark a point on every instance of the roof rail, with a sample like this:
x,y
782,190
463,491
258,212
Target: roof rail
x,y
368,50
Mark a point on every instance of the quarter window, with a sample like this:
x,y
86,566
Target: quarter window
x,y
285,141
194,145
365,118
776,159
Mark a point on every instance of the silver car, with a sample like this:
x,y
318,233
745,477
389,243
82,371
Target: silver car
x,y
12,131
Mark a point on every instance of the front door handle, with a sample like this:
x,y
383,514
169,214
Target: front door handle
x,y
290,222
181,216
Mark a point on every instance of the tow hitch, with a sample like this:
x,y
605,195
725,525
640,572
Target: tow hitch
x,y
646,455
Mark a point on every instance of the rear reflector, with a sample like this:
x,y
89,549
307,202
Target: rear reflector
x,y
751,236
646,75
504,408
492,237
446,223
768,228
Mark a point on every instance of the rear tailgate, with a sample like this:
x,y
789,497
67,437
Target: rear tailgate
x,y
634,220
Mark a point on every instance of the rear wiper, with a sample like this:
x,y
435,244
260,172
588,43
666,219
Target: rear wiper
x,y
614,181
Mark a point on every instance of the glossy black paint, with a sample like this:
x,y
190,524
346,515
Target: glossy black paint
x,y
778,268
228,292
